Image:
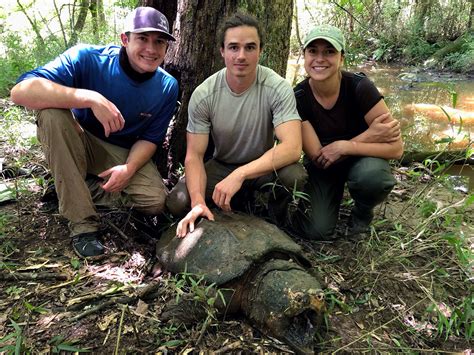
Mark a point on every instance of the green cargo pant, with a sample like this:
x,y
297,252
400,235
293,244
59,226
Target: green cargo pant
x,y
369,181
72,153
280,184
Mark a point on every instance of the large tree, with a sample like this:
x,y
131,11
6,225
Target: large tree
x,y
195,55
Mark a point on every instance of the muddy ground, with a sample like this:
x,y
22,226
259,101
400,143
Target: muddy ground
x,y
386,291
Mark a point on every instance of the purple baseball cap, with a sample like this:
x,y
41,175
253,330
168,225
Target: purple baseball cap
x,y
147,19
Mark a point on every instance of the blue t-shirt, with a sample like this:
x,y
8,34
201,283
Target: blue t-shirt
x,y
147,107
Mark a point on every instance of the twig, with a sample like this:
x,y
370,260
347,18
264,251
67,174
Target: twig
x,y
134,326
117,229
31,276
81,301
117,300
117,345
232,346
67,283
351,15
204,328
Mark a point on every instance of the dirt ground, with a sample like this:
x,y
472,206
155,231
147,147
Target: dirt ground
x,y
379,288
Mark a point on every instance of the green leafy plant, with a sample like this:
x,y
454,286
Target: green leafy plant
x,y
206,297
75,263
14,291
16,339
59,344
458,321
36,309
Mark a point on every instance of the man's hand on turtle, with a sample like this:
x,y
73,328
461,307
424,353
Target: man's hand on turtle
x,y
187,222
108,115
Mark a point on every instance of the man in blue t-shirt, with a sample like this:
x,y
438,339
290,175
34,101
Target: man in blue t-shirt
x,y
103,111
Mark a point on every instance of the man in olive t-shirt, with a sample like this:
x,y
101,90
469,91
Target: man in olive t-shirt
x,y
242,107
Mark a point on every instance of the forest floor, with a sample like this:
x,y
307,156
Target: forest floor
x,y
405,287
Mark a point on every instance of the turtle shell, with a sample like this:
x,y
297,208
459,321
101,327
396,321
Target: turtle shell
x,y
225,249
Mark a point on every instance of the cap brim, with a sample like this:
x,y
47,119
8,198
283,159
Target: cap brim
x,y
333,42
151,29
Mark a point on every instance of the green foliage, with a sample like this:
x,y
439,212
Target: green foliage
x,y
127,4
14,342
23,51
405,31
205,294
416,49
458,320
75,263
14,291
59,345
463,60
6,245
34,309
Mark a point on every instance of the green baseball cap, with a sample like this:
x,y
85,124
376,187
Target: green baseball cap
x,y
329,33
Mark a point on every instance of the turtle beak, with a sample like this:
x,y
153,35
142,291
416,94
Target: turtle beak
x,y
304,318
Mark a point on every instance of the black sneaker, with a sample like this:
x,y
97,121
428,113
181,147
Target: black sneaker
x,y
87,244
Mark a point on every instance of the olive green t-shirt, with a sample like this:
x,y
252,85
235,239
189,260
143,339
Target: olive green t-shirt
x,y
241,125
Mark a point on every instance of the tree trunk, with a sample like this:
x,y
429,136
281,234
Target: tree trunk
x,y
166,7
450,48
81,21
422,9
96,8
471,16
195,55
32,22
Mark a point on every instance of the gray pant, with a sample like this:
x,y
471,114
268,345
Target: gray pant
x,y
72,153
281,185
369,181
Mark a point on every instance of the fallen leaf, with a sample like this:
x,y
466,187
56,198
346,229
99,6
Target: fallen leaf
x,y
107,321
142,308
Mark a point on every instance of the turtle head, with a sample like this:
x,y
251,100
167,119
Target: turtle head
x,y
288,303
298,324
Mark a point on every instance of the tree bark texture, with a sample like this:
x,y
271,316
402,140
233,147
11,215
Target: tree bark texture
x,y
166,7
195,55
96,8
80,23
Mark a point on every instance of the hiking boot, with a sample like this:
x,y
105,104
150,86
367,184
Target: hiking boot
x,y
359,224
87,244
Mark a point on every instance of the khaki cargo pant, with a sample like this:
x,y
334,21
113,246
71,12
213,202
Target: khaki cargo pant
x,y
72,153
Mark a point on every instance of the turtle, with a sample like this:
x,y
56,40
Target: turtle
x,y
264,269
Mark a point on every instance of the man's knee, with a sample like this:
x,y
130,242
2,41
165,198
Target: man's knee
x,y
51,117
151,205
54,123
178,201
293,176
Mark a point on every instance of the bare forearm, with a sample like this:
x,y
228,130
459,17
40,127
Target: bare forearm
x,y
40,93
196,180
379,150
140,153
363,137
277,157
